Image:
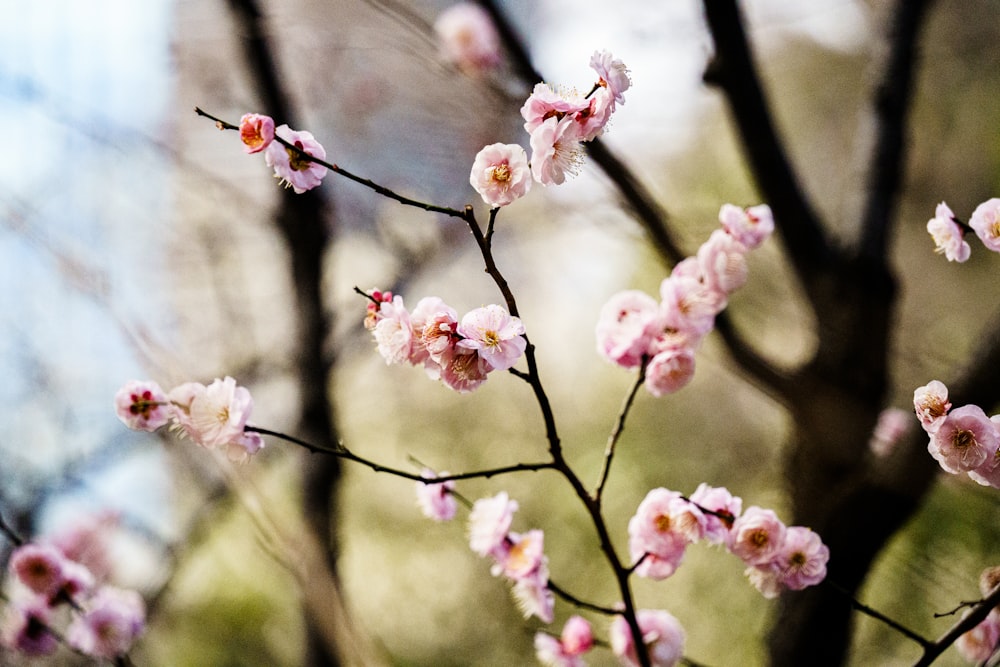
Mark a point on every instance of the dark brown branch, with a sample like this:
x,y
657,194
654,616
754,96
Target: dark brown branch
x,y
734,71
892,103
966,623
609,449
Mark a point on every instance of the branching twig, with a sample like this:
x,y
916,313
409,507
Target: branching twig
x,y
975,616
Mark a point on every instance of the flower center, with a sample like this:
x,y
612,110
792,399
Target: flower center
x,y
297,160
500,173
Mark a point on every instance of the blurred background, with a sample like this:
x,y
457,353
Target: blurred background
x,y
137,241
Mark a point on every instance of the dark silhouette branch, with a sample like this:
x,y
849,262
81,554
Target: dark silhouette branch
x,y
734,71
892,102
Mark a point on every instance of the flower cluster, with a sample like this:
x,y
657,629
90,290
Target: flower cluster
x,y
517,556
961,440
290,166
106,620
776,556
949,233
559,122
214,416
634,329
459,352
980,643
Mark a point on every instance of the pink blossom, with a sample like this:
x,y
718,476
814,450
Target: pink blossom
x,y
721,501
87,541
802,559
555,151
766,578
688,304
931,404
980,643
111,622
965,440
463,369
468,39
244,447
372,313
427,311
521,555
489,523
533,596
218,414
892,425
613,75
440,330
256,132
757,536
988,474
181,397
655,536
566,650
661,633
626,327
723,263
46,571
593,118
985,221
496,335
750,226
435,500
290,166
545,103
25,627
669,371
948,235
500,174
393,332
142,405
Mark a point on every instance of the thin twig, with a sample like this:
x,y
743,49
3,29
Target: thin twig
x,y
975,616
609,449
345,453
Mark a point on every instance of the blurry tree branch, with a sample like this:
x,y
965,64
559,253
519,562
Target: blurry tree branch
x,y
734,71
303,221
892,102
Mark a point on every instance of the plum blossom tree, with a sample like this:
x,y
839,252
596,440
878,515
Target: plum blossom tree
x,y
834,483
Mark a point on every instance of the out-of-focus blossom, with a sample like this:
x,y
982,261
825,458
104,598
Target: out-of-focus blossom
x,y
111,621
669,371
985,221
25,627
626,327
750,226
566,650
435,499
662,634
142,405
948,235
500,174
980,643
489,523
290,166
468,39
723,263
533,596
892,425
